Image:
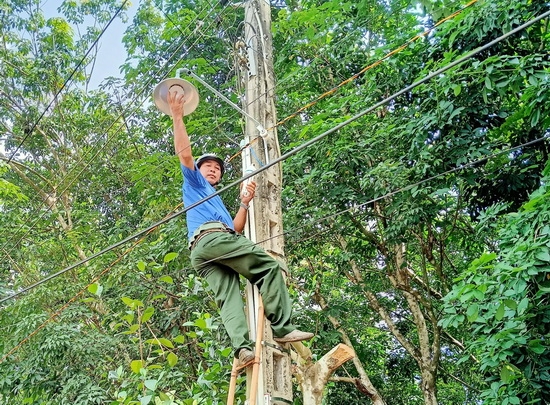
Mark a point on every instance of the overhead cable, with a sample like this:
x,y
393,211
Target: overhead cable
x,y
70,301
372,65
293,152
355,76
294,230
137,95
35,123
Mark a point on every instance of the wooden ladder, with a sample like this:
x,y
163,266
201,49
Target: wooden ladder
x,y
235,371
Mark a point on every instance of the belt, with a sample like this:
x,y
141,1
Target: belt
x,y
205,229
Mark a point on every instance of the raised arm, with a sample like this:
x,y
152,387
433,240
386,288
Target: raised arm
x,y
182,144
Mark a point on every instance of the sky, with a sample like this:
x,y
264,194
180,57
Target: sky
x,y
111,52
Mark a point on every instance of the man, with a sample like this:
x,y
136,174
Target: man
x,y
220,253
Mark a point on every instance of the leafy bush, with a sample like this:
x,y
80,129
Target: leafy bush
x,y
504,299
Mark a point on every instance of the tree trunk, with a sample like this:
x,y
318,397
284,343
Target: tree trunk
x,y
364,383
427,353
313,377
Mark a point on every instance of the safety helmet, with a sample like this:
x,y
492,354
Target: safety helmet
x,y
211,156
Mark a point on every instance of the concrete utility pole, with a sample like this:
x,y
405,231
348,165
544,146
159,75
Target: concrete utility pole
x,y
255,62
274,384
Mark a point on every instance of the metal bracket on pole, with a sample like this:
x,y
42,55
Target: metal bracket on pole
x,y
261,129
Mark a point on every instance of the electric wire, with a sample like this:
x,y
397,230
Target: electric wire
x,y
93,157
73,299
177,26
279,83
138,94
53,202
67,81
35,124
285,233
219,19
425,180
459,168
395,51
169,18
180,204
152,77
355,76
294,151
145,86
64,85
430,178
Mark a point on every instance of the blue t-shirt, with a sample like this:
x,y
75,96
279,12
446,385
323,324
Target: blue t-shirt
x,y
195,188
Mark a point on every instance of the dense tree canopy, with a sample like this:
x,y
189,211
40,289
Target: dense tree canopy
x,y
417,234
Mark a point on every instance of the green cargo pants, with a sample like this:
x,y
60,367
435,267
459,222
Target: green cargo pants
x,y
220,257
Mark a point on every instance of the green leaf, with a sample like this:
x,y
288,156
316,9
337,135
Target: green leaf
x,y
523,304
95,289
201,323
543,255
166,342
537,346
151,384
457,89
129,317
179,339
141,265
132,329
511,304
472,312
479,294
506,374
136,366
503,83
535,116
500,312
167,279
484,259
172,359
154,367
442,191
131,302
160,342
147,314
145,399
170,256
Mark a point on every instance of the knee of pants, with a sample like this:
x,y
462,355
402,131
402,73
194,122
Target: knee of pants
x,y
223,282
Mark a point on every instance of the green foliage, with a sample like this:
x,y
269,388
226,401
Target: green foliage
x,y
503,297
457,119
8,191
99,166
155,348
